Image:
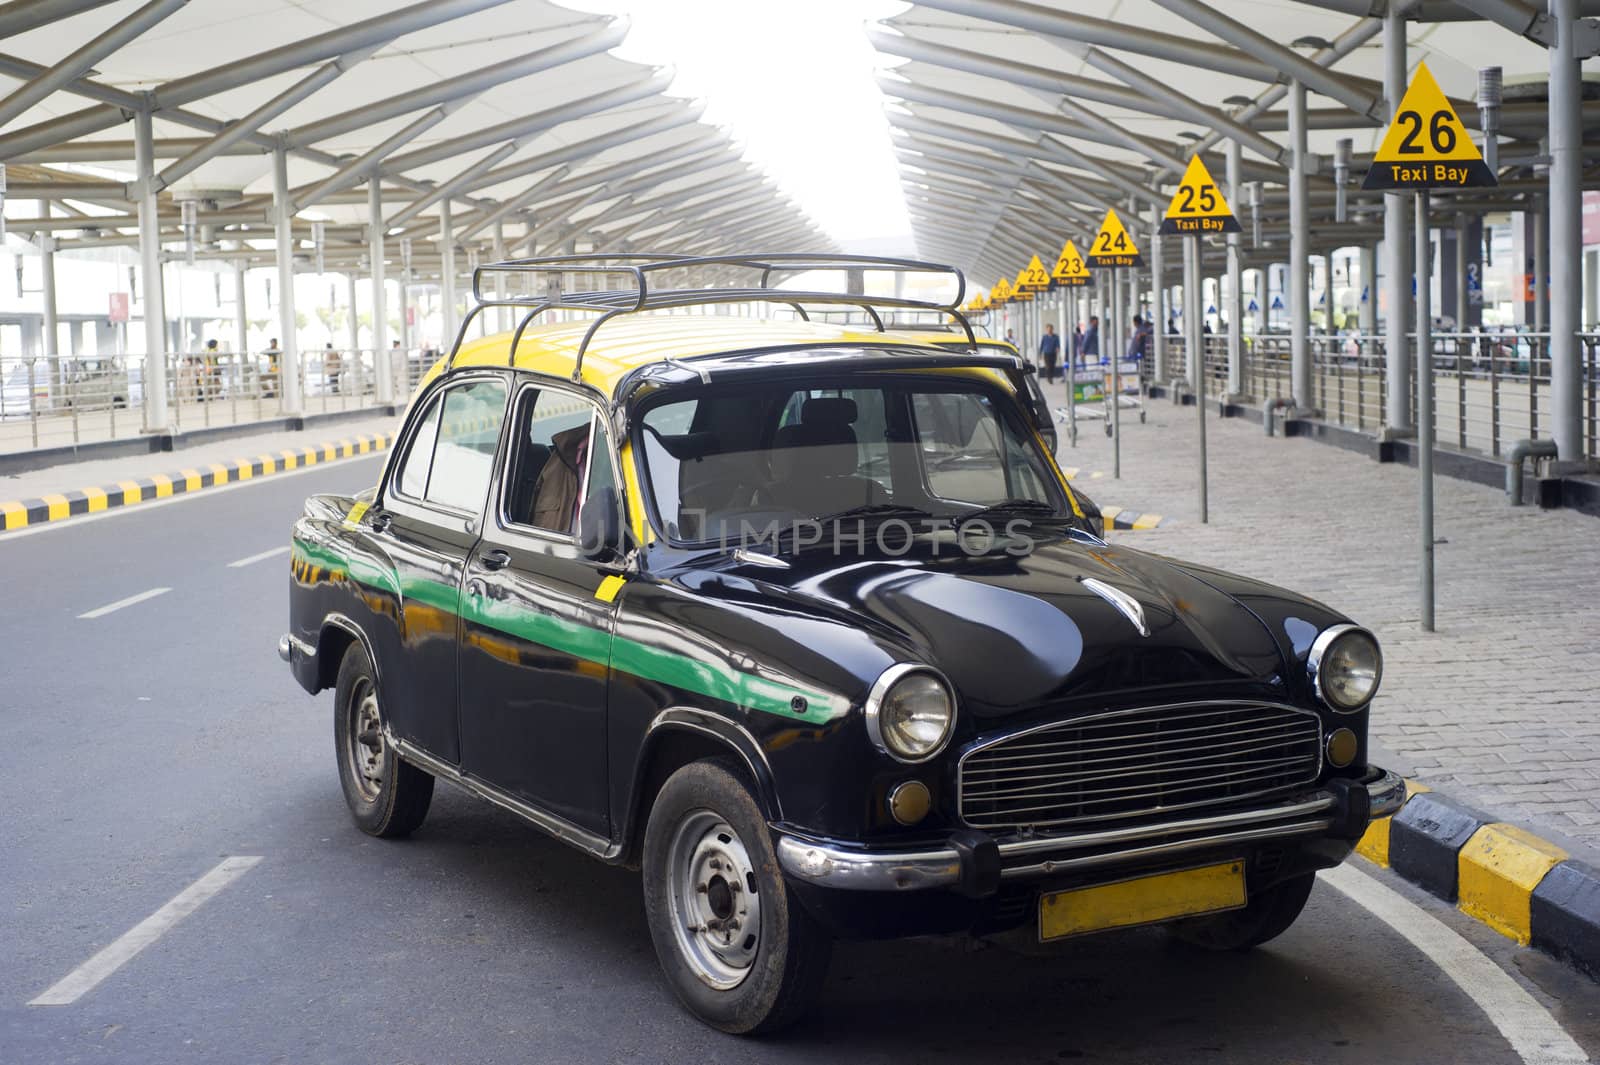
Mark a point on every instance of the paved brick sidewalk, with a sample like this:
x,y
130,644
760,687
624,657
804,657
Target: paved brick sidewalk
x,y
1501,706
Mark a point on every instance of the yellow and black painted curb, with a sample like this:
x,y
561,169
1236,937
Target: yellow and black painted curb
x,y
1115,517
1523,887
24,513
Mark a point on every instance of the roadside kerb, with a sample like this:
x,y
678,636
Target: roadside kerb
x,y
1522,886
60,506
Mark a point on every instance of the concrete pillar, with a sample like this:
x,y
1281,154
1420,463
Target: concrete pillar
x,y
1566,233
289,342
1397,245
155,311
1299,253
382,364
1330,324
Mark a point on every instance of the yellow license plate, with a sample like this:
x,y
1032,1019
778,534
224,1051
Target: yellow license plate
x,y
1144,900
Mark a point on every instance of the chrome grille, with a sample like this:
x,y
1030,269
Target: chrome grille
x,y
1129,763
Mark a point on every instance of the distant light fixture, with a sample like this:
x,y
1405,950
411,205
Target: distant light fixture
x,y
1237,100
1188,135
1312,42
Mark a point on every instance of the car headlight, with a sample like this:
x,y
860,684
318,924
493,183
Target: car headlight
x,y
910,713
1345,667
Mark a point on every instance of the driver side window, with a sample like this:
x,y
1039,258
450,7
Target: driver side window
x,y
552,462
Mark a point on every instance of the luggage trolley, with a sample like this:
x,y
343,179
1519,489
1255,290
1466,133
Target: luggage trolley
x,y
1093,384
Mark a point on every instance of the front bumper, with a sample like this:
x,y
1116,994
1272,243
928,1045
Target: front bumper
x,y
975,863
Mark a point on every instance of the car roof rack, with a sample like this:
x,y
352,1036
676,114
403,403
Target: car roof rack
x,y
642,295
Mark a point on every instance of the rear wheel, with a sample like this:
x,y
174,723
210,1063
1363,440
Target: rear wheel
x,y
737,949
387,797
1268,915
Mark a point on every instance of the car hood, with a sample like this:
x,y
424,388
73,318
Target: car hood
x,y
1014,632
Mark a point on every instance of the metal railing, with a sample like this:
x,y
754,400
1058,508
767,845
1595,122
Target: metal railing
x,y
1491,387
47,403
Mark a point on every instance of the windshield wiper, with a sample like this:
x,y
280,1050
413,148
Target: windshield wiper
x,y
873,510
1008,507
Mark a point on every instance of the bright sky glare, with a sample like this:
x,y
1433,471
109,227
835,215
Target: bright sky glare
x,y
793,83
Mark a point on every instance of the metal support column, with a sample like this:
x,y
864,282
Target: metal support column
x,y
1566,233
1192,307
1158,302
1397,266
1425,406
503,314
1462,261
1299,254
1367,301
447,278
50,343
155,312
382,365
1194,331
1114,393
1234,307
241,324
1541,266
282,220
352,364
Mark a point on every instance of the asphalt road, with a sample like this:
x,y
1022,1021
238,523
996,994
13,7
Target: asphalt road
x,y
144,746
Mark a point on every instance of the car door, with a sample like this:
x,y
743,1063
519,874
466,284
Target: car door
x,y
427,520
535,658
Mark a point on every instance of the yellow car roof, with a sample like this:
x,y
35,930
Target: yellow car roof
x,y
628,343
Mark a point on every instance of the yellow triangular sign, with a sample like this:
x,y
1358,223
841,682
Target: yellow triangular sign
x,y
1070,269
1426,146
1198,206
1113,246
1020,291
1035,275
1001,291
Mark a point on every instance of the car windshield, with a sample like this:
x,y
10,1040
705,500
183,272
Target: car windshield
x,y
724,461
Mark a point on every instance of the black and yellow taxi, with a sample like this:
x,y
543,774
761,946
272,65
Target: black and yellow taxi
x,y
803,621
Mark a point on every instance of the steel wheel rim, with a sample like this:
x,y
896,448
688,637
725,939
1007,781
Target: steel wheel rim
x,y
364,746
716,911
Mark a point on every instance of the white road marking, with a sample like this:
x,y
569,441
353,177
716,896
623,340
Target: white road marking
x,y
85,977
1533,1033
262,557
102,611
186,497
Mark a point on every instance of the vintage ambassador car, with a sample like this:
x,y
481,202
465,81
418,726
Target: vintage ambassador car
x,y
804,622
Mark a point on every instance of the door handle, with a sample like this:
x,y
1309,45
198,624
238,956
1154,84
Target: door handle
x,y
496,559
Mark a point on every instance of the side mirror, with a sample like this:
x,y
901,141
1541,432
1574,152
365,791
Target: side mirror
x,y
600,526
1040,406
1091,514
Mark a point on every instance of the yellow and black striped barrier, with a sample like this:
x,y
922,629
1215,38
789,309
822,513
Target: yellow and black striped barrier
x,y
21,514
1524,887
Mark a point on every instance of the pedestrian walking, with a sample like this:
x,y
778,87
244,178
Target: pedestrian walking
x,y
1091,340
1049,351
332,364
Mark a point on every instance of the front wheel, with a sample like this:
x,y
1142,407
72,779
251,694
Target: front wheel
x,y
1267,915
387,797
739,952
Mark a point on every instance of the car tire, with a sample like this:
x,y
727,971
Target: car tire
x,y
387,797
1266,916
705,823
